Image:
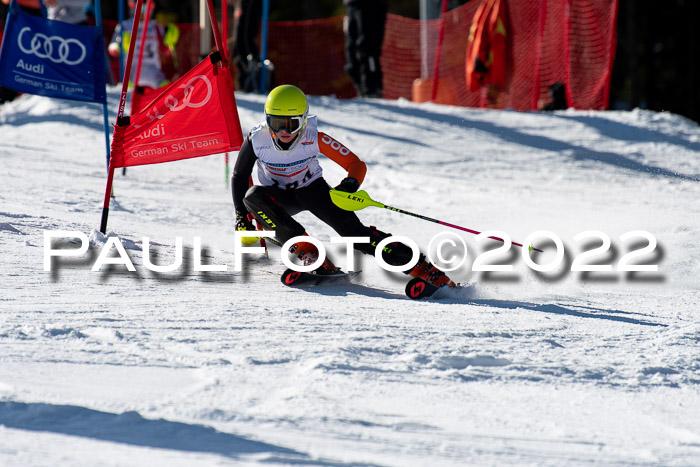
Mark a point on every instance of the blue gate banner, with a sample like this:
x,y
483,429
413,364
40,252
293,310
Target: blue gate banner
x,y
52,58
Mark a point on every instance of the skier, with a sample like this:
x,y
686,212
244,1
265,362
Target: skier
x,y
285,149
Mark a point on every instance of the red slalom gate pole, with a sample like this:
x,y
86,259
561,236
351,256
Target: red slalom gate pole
x,y
224,26
438,52
142,48
120,112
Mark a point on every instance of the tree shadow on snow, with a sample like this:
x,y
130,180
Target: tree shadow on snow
x,y
625,132
377,134
24,119
350,289
580,311
130,428
577,153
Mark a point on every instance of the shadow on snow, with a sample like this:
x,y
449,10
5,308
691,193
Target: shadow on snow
x,y
577,153
130,428
582,312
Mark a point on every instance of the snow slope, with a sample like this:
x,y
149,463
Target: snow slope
x,y
231,368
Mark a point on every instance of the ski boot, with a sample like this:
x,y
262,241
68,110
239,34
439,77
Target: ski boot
x,y
427,279
308,254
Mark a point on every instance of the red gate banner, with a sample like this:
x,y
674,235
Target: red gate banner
x,y
192,117
142,96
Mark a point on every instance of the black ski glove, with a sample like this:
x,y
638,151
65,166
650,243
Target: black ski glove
x,y
242,222
349,185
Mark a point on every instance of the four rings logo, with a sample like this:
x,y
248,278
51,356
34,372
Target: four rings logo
x,y
172,103
57,49
175,105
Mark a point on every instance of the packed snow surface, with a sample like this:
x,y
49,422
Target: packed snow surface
x,y
194,368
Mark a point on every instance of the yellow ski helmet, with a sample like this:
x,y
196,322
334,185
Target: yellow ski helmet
x,y
286,108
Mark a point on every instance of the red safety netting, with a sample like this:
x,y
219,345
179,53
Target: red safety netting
x,y
311,55
401,56
545,45
452,82
592,51
549,41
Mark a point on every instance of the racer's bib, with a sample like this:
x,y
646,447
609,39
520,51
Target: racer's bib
x,y
287,170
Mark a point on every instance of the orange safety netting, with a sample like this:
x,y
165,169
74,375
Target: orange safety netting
x,y
569,41
548,41
311,55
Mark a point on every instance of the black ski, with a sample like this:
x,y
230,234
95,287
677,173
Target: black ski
x,y
292,278
418,288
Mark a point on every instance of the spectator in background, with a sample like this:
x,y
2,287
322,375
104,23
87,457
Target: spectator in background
x,y
246,56
160,46
364,34
68,11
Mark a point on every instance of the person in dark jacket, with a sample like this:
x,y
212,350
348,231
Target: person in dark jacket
x,y
246,55
364,34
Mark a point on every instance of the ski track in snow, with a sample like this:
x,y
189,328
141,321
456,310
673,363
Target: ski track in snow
x,y
232,368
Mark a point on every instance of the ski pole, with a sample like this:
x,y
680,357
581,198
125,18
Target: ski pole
x,y
360,200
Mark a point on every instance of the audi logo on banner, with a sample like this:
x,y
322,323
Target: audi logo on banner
x,y
175,105
55,48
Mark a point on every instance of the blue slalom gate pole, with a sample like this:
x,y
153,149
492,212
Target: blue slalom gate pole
x,y
263,46
105,113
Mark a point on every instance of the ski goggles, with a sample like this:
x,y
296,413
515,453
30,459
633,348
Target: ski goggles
x,y
291,124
